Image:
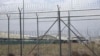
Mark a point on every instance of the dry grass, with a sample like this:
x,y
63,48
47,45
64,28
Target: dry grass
x,y
47,50
75,53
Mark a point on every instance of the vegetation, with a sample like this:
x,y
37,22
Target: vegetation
x,y
49,50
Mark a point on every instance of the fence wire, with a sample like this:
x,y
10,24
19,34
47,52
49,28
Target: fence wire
x,y
25,38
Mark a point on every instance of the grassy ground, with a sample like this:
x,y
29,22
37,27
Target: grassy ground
x,y
46,49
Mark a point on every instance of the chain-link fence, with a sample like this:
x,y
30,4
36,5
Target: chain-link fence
x,y
50,33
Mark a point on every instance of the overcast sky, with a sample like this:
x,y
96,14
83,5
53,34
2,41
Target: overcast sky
x,y
49,5
43,5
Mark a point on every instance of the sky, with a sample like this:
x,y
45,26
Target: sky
x,y
43,5
7,6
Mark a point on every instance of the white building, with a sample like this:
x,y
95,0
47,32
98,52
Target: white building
x,y
63,38
12,36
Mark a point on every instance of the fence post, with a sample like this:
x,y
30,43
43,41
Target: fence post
x,y
37,34
20,22
23,23
8,32
69,36
59,31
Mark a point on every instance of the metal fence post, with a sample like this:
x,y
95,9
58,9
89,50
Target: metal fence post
x,y
8,32
59,30
20,21
23,22
69,36
37,34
